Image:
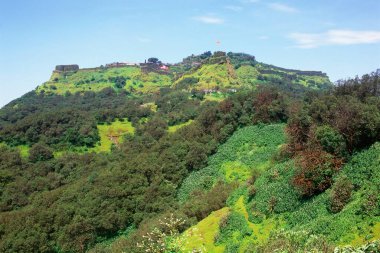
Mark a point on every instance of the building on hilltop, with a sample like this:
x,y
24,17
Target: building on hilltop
x,y
66,68
154,65
119,64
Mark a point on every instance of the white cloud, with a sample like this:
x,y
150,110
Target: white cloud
x,y
335,37
263,37
209,20
282,7
233,8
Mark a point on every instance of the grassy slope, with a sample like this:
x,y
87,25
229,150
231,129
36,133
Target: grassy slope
x,y
289,212
345,227
250,148
210,76
112,134
215,97
96,80
248,75
201,236
174,128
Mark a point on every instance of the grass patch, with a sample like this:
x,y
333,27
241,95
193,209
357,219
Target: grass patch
x,y
23,149
174,128
210,76
236,171
260,231
203,234
236,234
112,134
247,75
218,97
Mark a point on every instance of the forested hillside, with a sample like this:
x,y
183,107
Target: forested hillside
x,y
217,153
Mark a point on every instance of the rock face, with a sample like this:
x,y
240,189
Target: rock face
x,y
66,68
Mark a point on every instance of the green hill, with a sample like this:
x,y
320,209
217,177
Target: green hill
x,y
131,78
224,73
219,72
217,153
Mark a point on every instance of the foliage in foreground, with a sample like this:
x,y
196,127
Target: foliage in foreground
x,y
370,247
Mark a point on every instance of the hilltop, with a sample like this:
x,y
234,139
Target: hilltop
x,y
209,73
216,153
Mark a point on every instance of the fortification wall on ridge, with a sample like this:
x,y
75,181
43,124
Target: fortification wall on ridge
x,y
66,68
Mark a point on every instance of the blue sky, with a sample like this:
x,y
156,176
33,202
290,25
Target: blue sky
x,y
340,37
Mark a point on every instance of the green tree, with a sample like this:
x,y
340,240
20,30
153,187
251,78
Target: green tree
x,y
331,140
40,152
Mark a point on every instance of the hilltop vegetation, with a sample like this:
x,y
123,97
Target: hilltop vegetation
x,y
128,79
231,71
213,72
270,159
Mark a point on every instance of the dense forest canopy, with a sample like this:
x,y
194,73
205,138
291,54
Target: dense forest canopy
x,y
282,157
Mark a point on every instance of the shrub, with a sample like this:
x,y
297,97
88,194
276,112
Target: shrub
x,y
40,152
269,106
331,140
234,227
215,199
251,191
300,241
369,247
298,128
232,248
315,171
120,82
254,175
371,203
340,194
164,237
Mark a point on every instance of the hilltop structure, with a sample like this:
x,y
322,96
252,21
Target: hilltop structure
x,y
66,68
154,65
120,64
